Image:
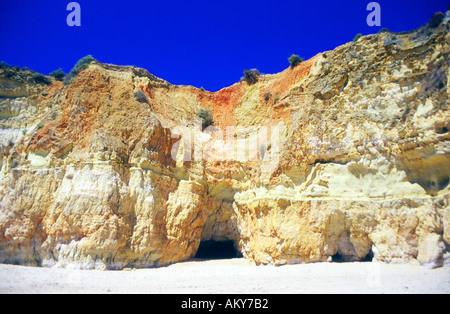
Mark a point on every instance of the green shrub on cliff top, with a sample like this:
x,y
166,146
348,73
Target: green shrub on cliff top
x,y
294,60
58,74
357,37
251,76
82,64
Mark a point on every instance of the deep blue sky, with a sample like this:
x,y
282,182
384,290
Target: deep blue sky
x,y
198,42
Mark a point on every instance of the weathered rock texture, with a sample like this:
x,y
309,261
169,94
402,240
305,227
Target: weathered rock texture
x,y
92,177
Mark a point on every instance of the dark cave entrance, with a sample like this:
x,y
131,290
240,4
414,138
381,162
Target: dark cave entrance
x,y
338,258
217,250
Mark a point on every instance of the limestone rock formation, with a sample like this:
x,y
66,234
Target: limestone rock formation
x,y
344,157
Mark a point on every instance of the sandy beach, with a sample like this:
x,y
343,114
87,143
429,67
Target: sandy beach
x,y
230,276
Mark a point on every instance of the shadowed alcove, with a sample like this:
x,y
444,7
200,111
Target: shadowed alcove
x,y
338,258
217,250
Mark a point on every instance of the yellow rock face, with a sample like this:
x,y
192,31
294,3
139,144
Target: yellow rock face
x,y
345,157
285,231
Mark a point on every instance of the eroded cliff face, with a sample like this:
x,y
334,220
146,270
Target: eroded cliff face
x,y
344,157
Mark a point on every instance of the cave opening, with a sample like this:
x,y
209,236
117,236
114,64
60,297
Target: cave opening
x,y
217,250
368,257
338,258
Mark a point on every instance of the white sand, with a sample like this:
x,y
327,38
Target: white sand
x,y
231,276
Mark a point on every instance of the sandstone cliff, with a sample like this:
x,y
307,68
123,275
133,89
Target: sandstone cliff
x,y
344,157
